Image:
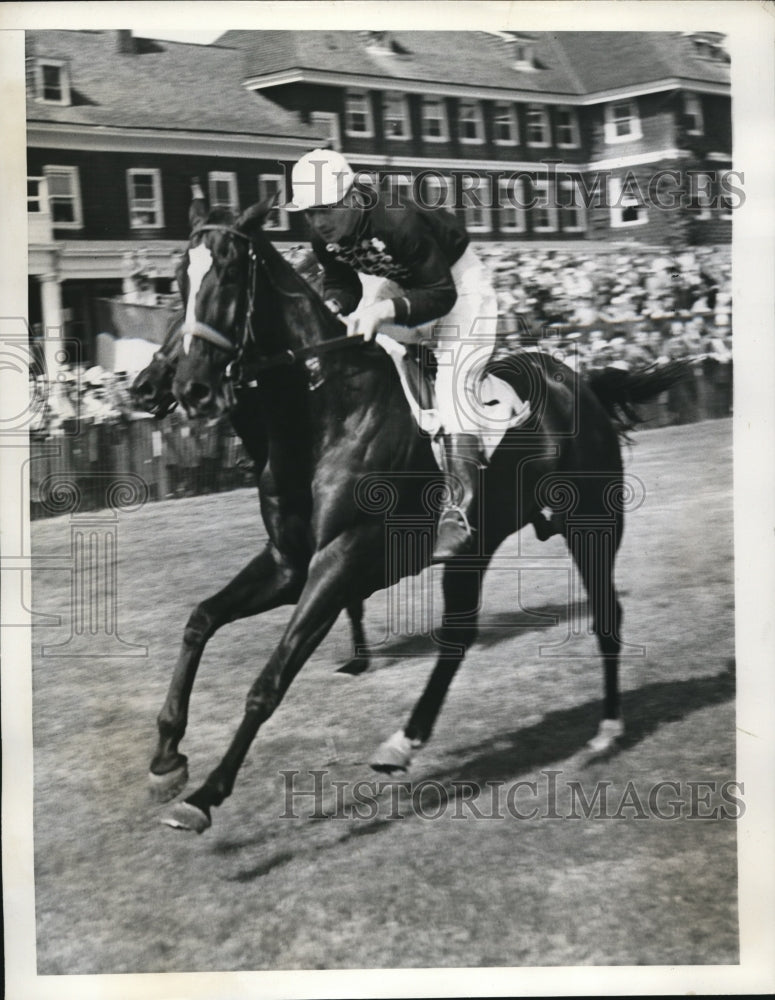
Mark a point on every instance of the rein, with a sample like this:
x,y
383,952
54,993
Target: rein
x,y
239,374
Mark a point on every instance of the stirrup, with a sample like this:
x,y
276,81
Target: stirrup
x,y
461,515
447,548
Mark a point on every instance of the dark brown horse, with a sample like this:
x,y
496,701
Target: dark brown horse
x,y
344,458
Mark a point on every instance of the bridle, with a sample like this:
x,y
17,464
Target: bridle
x,y
236,374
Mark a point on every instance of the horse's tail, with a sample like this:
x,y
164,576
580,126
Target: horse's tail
x,y
620,391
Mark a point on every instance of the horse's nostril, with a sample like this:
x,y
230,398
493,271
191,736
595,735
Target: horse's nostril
x,y
197,392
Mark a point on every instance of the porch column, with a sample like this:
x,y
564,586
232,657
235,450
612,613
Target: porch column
x,y
51,307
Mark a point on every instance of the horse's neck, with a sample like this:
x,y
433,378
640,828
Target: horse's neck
x,y
300,319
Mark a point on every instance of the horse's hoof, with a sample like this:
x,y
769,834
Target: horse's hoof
x,y
357,665
165,787
395,754
184,816
609,731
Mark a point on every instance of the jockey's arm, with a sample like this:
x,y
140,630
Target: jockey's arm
x,y
431,293
341,284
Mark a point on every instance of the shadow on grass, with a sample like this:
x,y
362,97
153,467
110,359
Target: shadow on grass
x,y
558,736
493,630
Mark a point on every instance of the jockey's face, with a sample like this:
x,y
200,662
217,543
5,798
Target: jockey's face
x,y
335,222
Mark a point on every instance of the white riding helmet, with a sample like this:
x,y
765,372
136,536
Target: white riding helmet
x,y
322,177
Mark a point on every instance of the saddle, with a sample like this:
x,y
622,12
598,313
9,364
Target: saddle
x,y
502,407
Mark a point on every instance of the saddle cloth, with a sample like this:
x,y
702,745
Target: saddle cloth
x,y
496,399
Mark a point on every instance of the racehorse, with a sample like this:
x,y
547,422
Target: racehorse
x,y
343,454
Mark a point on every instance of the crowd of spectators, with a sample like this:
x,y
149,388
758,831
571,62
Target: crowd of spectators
x,y
622,308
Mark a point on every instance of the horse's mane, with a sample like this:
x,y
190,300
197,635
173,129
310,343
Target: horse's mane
x,y
287,281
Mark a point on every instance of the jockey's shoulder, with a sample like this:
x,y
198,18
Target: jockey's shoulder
x,y
404,222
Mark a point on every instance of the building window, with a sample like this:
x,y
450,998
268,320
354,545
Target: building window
x,y
702,198
567,128
572,213
395,117
511,204
504,124
477,204
36,195
53,82
434,120
64,197
145,204
537,125
223,191
471,123
693,115
622,122
545,207
438,192
327,124
273,186
626,205
358,119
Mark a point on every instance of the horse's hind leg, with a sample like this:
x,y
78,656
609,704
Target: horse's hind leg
x,y
360,658
266,582
593,547
462,591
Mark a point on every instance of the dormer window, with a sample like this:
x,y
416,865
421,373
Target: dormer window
x,y
53,83
382,43
519,48
471,122
709,45
524,59
395,117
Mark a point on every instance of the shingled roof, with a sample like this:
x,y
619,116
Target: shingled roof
x,y
158,85
578,63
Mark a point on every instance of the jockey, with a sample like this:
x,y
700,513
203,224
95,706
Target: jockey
x,y
439,284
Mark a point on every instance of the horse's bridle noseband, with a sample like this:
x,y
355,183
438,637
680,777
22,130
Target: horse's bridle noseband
x,y
205,332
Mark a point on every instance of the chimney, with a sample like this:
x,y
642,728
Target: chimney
x,y
125,44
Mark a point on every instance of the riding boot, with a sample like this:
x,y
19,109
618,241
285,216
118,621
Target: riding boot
x,y
461,463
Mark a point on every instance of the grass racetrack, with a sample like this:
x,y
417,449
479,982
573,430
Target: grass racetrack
x,y
117,892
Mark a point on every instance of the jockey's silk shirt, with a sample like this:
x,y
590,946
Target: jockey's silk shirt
x,y
413,246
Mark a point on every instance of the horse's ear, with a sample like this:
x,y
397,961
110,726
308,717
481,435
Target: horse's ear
x,y
198,210
255,216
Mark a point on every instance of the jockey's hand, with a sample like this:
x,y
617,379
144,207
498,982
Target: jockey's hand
x,y
367,321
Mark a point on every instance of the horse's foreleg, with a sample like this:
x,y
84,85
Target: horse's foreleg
x,y
330,578
462,587
266,582
594,551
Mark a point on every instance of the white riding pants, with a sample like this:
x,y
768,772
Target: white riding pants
x,y
462,341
